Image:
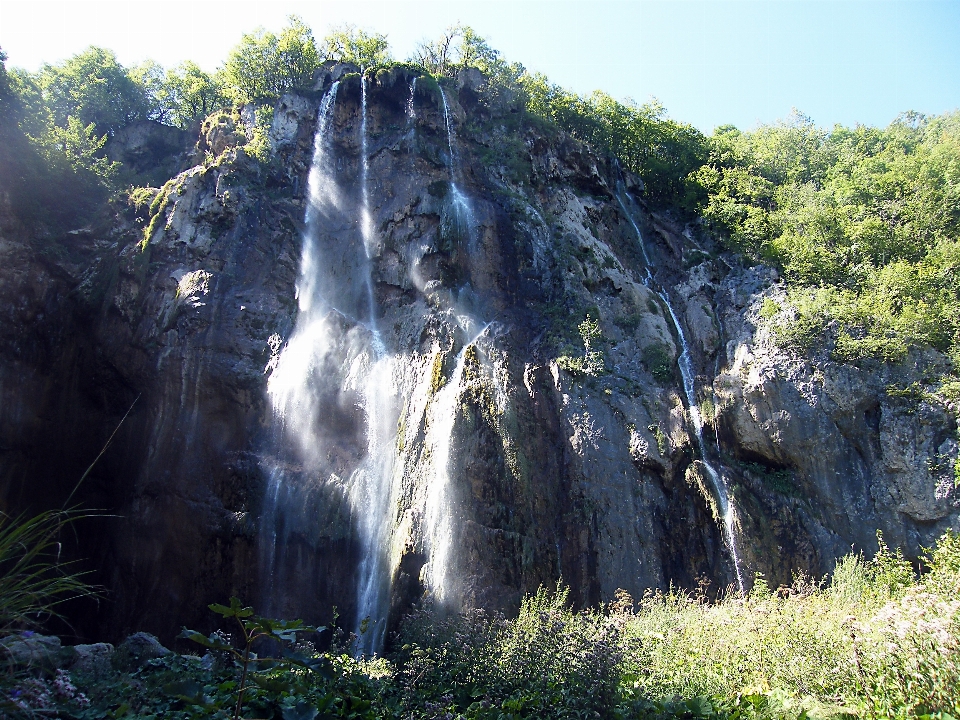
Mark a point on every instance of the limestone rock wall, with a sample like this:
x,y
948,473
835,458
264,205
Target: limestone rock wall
x,y
556,474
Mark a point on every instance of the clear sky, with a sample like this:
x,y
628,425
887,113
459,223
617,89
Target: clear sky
x,y
710,62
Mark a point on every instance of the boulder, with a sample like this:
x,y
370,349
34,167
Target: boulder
x,y
30,649
138,649
93,661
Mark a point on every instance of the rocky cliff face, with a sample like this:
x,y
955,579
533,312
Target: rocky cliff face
x,y
438,426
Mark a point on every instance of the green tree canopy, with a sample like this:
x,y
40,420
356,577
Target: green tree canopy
x,y
458,47
4,79
190,94
660,150
864,223
93,87
349,44
263,66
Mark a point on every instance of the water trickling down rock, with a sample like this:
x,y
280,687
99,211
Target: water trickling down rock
x,y
392,450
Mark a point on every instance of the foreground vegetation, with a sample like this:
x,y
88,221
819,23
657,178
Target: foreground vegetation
x,y
874,642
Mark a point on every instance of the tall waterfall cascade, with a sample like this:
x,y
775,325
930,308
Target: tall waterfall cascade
x,y
292,370
301,375
466,220
388,390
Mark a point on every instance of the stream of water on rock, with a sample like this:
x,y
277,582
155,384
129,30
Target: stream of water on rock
x,y
685,363
290,369
462,208
336,342
439,515
438,506
372,489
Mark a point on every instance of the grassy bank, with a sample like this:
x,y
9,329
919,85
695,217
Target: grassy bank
x,y
876,641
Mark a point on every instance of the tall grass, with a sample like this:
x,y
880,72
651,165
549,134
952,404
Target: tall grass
x,y
875,641
34,581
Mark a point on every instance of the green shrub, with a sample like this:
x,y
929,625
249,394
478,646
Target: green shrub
x,y
659,361
549,662
863,223
592,362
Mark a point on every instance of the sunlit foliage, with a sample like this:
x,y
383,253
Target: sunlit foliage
x,y
864,223
351,45
263,65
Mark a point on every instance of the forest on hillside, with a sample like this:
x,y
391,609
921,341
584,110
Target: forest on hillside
x,y
862,226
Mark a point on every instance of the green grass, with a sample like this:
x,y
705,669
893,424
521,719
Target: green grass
x,y
873,642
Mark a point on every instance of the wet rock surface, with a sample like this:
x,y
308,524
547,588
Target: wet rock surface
x,y
554,472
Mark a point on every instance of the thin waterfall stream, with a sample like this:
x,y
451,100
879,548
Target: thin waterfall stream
x,y
461,203
292,369
372,487
685,363
438,515
438,507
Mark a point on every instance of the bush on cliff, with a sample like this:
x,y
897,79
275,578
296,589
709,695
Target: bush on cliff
x,y
864,224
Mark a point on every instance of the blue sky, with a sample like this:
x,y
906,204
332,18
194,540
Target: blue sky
x,y
710,62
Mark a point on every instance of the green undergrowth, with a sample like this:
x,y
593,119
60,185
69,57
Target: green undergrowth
x,y
876,641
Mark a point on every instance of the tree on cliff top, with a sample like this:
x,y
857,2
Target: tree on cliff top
x,y
4,80
348,44
190,94
459,47
264,66
94,88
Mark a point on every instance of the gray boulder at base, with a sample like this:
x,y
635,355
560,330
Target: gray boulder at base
x,y
93,660
138,649
30,649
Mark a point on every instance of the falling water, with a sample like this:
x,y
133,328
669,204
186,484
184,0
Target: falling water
x,y
312,360
411,112
372,488
685,362
366,219
461,203
292,370
437,521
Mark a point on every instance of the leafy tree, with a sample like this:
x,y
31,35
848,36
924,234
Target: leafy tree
x,y
93,87
864,223
190,94
150,76
4,80
348,44
81,148
661,151
263,66
460,46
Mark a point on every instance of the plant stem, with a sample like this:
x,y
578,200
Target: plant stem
x,y
243,674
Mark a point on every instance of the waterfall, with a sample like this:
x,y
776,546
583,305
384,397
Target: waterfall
x,y
438,506
372,490
334,356
300,359
685,363
411,112
461,203
366,219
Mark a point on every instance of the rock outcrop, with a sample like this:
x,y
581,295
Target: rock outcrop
x,y
557,469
